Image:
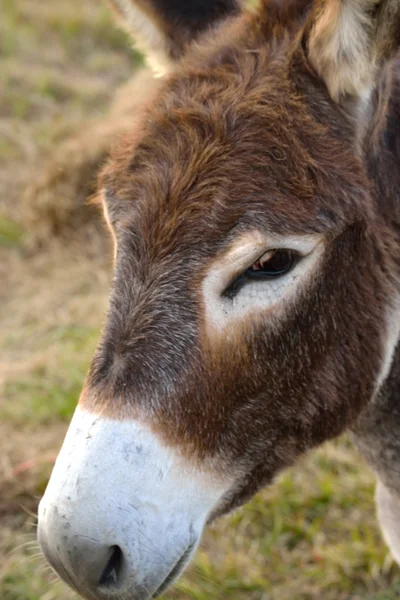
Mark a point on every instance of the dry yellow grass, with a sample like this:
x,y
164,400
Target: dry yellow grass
x,y
311,536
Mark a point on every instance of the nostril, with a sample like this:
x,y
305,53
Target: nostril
x,y
111,575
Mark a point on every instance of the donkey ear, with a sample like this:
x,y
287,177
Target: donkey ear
x,y
163,29
350,40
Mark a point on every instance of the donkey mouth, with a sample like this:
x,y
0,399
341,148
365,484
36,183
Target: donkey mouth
x,y
176,570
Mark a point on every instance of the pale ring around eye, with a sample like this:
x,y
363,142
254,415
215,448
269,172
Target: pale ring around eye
x,y
258,293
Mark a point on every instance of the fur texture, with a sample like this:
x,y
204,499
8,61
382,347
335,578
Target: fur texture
x,y
248,134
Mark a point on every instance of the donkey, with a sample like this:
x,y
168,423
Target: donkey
x,y
255,307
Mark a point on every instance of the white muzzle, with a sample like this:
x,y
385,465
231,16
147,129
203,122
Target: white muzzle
x,y
122,514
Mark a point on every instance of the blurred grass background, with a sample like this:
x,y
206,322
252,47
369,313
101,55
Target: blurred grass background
x,y
313,535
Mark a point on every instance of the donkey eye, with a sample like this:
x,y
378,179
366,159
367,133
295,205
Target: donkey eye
x,y
272,264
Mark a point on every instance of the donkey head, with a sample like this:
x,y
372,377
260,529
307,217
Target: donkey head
x,y
251,315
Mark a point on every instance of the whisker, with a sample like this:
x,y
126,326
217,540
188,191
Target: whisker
x,y
29,512
26,545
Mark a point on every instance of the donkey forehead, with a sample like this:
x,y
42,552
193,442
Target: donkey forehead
x,y
213,150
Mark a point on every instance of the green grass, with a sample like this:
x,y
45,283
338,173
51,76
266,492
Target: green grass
x,y
11,233
54,55
50,391
313,534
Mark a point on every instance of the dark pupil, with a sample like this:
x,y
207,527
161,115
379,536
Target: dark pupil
x,y
277,264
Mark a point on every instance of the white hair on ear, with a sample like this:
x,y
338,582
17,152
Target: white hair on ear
x,y
147,37
340,47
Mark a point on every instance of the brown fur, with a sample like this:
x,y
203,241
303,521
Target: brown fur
x,y
246,135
